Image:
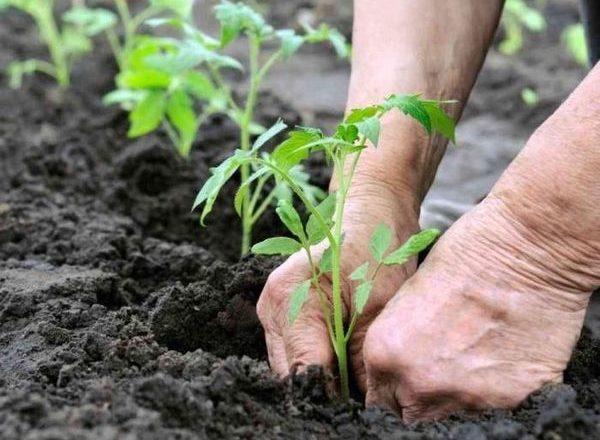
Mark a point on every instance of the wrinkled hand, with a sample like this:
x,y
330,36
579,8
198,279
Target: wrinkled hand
x,y
307,341
478,326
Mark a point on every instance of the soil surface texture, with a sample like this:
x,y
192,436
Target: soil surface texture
x,y
121,318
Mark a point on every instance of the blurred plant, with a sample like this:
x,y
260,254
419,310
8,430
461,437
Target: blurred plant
x,y
65,43
359,130
573,38
530,97
165,77
517,17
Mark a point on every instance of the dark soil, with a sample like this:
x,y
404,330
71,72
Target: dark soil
x,y
120,318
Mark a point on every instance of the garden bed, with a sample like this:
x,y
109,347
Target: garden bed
x,y
121,318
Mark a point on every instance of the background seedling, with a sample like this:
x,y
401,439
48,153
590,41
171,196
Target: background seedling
x,y
65,43
517,17
166,77
359,130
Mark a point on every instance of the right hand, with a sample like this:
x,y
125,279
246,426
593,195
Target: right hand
x,y
307,342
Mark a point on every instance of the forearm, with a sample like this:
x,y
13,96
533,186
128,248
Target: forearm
x,y
553,188
406,46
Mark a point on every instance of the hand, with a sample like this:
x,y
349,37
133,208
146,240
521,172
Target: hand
x,y
490,317
307,341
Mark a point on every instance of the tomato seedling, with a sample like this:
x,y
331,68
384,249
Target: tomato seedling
x,y
517,17
359,130
166,77
65,43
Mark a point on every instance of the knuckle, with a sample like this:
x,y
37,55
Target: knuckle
x,y
382,350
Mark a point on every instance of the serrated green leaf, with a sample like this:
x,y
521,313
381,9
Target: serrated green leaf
x,y
412,247
326,33
183,8
315,231
297,300
144,79
220,175
370,129
199,85
291,151
347,132
181,114
361,296
325,264
275,129
360,114
360,273
291,219
440,120
237,17
147,114
92,21
277,246
381,240
290,42
412,106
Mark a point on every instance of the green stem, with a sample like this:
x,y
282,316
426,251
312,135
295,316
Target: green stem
x,y
321,296
246,120
115,47
49,32
125,15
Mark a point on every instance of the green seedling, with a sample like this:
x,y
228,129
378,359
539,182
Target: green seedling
x,y
131,23
573,38
518,16
168,79
359,130
530,97
65,43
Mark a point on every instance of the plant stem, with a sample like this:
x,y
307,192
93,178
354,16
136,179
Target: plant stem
x,y
246,120
43,16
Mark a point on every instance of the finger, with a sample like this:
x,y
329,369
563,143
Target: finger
x,y
307,340
276,352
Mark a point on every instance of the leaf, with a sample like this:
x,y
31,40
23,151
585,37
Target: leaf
x,y
412,247
361,296
144,79
360,114
291,219
91,21
277,246
18,69
440,120
412,106
237,17
243,189
147,114
220,175
312,192
314,229
370,129
125,97
297,300
183,8
360,273
347,132
380,241
182,116
277,128
291,152
199,85
73,42
326,33
290,42
325,264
